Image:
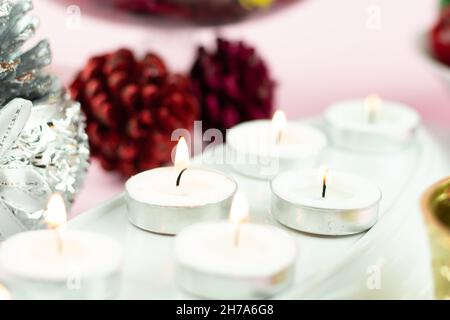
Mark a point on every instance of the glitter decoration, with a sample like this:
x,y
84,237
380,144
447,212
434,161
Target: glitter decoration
x,y
21,74
233,84
132,106
47,151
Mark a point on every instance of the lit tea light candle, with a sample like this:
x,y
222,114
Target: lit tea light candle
x,y
165,200
4,293
324,202
262,148
61,264
371,124
279,123
55,216
234,259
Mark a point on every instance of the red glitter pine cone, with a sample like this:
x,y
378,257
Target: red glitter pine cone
x,y
132,106
233,84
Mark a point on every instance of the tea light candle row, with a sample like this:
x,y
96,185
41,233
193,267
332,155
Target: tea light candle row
x,y
234,260
165,200
262,149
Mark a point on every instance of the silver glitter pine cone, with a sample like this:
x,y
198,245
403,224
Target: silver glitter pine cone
x,y
50,152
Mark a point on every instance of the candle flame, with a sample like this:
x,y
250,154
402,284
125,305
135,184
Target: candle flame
x,y
372,104
323,174
239,212
55,213
4,293
182,154
278,124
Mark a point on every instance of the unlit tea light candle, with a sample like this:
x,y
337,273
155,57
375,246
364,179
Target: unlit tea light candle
x,y
324,202
165,200
61,264
371,124
234,260
262,148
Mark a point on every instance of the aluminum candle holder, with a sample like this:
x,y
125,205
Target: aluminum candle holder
x,y
331,222
211,264
214,286
356,211
95,288
167,217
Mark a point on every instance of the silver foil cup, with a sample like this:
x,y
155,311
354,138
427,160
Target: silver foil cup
x,y
266,166
170,220
100,287
328,222
214,286
348,138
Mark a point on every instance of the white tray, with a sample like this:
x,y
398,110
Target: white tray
x,y
393,255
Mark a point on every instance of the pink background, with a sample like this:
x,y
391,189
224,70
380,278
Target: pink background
x,y
319,51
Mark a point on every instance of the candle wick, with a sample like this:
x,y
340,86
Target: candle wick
x,y
324,189
179,177
279,137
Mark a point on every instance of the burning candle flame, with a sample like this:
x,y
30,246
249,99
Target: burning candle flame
x,y
4,293
55,213
182,154
372,104
323,174
278,125
239,211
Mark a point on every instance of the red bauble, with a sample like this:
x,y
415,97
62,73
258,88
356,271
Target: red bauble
x,y
132,106
440,37
233,84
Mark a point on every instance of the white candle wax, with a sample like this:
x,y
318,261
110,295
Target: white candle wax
x,y
262,253
198,187
386,128
256,151
350,204
34,257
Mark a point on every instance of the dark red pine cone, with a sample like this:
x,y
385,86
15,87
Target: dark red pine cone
x,y
440,37
132,106
233,85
